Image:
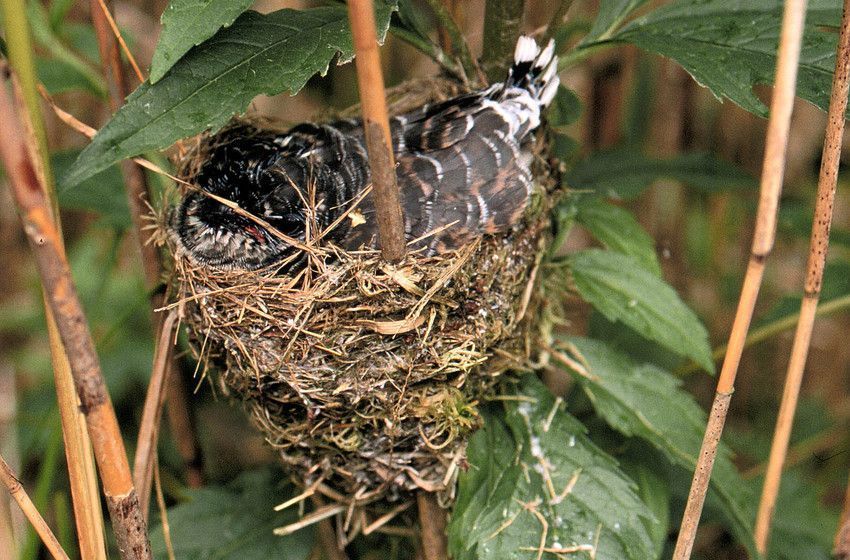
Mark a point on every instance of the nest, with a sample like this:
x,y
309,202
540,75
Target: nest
x,y
367,376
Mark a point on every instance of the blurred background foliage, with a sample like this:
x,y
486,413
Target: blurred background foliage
x,y
638,113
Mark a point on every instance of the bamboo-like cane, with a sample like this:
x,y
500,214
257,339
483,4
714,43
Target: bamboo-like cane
x,y
381,162
138,195
11,482
370,81
82,477
45,241
812,286
779,124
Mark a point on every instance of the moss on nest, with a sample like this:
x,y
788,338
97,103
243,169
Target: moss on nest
x,y
366,376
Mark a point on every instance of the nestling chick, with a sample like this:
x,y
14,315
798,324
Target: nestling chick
x,y
462,167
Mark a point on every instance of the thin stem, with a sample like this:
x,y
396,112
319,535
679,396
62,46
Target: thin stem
x,y
771,329
22,60
138,196
81,471
102,8
327,535
11,482
456,41
765,230
502,21
432,521
370,80
45,241
814,276
434,52
145,458
559,17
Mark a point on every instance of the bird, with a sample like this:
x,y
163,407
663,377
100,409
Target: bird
x,y
463,167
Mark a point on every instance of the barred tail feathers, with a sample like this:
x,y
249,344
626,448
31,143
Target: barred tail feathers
x,y
535,70
531,85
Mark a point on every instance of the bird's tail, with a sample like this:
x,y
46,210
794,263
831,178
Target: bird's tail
x,y
535,70
531,85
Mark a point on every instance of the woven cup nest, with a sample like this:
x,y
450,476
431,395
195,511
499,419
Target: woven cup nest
x,y
366,375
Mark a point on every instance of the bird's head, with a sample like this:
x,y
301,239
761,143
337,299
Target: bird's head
x,y
251,173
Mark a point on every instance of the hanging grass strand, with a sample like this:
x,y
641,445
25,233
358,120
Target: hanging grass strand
x,y
814,276
782,104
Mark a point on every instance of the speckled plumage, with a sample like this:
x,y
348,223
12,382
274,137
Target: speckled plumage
x,y
462,167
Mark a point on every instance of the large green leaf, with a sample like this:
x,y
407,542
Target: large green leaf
x,y
730,45
212,82
234,522
187,23
646,401
618,230
625,173
537,464
620,288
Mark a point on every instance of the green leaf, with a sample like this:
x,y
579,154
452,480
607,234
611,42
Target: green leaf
x,y
625,173
187,23
648,402
654,490
621,289
547,468
102,194
58,76
611,14
566,108
234,522
204,89
618,230
67,63
729,46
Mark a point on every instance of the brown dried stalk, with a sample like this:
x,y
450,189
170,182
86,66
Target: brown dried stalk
x,y
39,524
33,206
432,521
812,286
143,465
138,196
81,471
782,104
370,81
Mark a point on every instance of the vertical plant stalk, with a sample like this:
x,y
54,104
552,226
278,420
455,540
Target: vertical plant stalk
x,y
818,247
370,81
81,471
451,37
781,106
45,241
145,459
432,521
11,482
502,21
138,196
